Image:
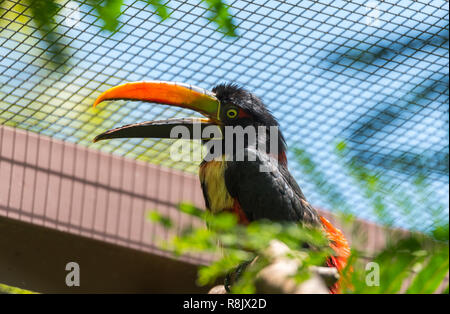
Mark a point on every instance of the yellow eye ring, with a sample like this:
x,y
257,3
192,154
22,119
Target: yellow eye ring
x,y
232,113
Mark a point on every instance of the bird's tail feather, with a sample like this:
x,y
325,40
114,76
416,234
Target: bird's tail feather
x,y
339,245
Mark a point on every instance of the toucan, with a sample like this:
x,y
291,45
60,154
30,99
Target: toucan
x,y
252,181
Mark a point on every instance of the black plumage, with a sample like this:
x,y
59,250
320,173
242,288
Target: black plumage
x,y
274,194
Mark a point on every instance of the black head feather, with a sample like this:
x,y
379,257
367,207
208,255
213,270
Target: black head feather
x,y
230,93
234,94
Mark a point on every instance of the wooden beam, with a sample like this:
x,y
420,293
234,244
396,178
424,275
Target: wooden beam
x,y
35,257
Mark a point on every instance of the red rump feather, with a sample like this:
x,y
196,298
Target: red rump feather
x,y
237,210
339,245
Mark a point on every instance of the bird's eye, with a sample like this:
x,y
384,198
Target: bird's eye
x,y
232,113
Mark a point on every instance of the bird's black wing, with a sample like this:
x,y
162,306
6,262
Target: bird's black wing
x,y
273,195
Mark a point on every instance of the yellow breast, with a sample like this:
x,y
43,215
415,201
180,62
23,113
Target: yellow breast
x,y
212,176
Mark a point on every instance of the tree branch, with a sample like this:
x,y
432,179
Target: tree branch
x,y
277,277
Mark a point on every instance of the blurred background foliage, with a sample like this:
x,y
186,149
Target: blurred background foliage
x,y
5,289
42,13
384,196
39,24
383,116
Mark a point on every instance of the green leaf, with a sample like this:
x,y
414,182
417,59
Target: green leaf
x,y
43,15
160,7
109,12
341,146
43,12
191,210
396,264
219,14
157,217
432,274
222,221
441,232
198,239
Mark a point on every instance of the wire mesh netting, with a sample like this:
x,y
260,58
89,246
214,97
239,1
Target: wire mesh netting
x,y
371,73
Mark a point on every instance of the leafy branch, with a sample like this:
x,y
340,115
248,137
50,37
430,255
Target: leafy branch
x,y
242,244
416,256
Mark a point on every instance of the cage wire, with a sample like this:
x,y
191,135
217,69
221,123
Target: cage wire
x,y
371,73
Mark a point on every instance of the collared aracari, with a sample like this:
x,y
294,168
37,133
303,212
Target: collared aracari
x,y
230,185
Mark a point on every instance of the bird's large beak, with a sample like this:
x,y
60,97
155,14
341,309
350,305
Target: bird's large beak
x,y
168,93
